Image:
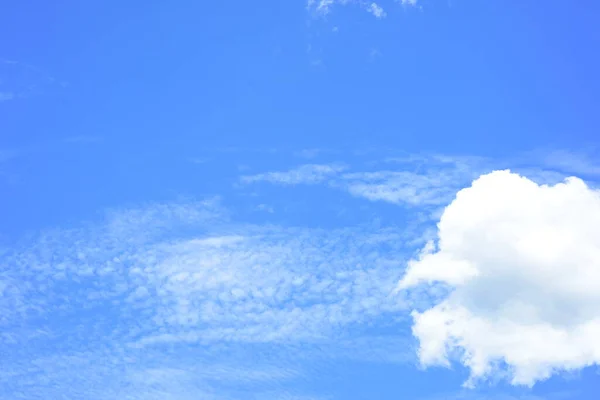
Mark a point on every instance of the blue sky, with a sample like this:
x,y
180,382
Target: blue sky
x,y
258,200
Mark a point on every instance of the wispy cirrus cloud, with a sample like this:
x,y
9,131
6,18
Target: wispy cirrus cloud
x,y
414,180
102,374
304,174
324,7
377,10
577,163
428,180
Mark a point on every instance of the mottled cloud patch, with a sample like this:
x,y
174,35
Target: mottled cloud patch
x,y
168,291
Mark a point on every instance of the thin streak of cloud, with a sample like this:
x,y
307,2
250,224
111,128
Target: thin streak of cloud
x,y
418,180
305,174
421,181
376,10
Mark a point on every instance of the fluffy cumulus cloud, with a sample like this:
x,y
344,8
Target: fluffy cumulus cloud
x,y
522,265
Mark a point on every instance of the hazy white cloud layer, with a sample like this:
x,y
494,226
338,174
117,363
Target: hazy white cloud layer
x,y
524,262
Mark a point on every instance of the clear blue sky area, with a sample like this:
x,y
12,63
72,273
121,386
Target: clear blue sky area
x,y
215,200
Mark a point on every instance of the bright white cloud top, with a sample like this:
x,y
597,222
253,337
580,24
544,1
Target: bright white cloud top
x,y
523,261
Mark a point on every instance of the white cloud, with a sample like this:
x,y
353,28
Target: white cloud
x,y
402,187
429,181
153,290
266,286
571,162
320,6
523,261
417,181
324,7
305,174
376,10
102,375
194,276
